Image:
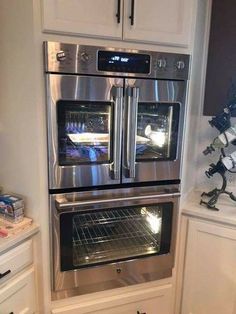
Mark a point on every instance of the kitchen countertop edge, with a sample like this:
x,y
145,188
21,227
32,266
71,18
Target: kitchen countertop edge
x,y
226,214
14,240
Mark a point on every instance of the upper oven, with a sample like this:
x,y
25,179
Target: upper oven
x,y
114,116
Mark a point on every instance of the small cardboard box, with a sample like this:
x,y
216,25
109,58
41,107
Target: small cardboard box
x,y
11,207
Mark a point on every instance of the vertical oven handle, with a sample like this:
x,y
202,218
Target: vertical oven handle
x,y
131,130
117,94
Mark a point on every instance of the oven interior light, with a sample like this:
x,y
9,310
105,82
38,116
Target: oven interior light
x,y
157,137
153,220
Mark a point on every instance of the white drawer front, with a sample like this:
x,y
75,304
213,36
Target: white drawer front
x,y
150,301
18,296
15,260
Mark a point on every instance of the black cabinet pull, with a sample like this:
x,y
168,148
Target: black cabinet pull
x,y
118,12
4,274
131,17
141,313
11,313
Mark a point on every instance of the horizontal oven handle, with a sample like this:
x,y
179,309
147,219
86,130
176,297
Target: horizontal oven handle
x,y
67,205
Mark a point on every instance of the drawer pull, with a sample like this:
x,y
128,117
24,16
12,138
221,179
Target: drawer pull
x,y
141,313
11,313
5,274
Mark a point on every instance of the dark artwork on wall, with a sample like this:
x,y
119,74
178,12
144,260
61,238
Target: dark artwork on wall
x,y
221,65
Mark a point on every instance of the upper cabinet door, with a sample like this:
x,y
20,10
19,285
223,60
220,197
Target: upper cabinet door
x,y
101,18
158,21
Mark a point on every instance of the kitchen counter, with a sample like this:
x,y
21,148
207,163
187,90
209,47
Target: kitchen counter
x,y
226,213
13,240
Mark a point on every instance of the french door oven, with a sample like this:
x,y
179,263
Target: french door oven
x,y
112,130
115,124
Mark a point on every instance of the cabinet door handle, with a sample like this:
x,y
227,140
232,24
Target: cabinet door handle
x,y
141,312
5,274
131,17
118,12
11,313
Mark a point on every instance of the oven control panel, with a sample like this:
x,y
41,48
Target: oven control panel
x,y
106,61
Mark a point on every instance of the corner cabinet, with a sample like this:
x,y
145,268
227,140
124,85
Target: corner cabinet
x,y
210,271
152,21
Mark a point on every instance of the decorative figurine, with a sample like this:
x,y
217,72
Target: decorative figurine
x,y
222,123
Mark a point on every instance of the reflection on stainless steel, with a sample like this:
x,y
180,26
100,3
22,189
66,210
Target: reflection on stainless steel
x,y
115,234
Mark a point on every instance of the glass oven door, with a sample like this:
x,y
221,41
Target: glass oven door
x,y
115,234
154,112
84,130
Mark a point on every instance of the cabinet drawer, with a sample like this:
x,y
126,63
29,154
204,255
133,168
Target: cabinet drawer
x,y
15,260
158,304
18,295
156,300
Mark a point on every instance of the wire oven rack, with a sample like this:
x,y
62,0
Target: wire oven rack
x,y
112,234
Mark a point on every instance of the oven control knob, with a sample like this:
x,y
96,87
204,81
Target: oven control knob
x,y
61,56
84,57
180,65
161,63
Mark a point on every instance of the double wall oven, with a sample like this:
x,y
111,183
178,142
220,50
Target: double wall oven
x,y
115,125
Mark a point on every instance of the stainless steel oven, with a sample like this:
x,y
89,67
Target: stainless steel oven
x,y
112,238
115,116
115,125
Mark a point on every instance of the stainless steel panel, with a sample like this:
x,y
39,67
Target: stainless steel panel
x,y
154,91
81,59
76,88
113,275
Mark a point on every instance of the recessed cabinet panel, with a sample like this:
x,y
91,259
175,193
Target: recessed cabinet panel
x,y
83,17
158,21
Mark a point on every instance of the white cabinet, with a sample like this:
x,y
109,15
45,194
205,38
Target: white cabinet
x,y
16,259
156,300
18,295
210,269
155,21
159,21
83,17
17,273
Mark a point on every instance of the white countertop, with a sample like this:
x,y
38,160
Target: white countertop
x,y
226,213
11,241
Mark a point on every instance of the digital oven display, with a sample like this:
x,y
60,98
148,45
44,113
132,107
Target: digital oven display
x,y
113,61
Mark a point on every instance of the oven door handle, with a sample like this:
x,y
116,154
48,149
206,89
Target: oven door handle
x,y
65,206
117,94
131,130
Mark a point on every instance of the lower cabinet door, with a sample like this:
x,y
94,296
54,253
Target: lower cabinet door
x,y
156,300
210,269
18,295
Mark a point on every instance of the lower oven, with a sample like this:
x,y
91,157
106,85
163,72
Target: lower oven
x,y
106,239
